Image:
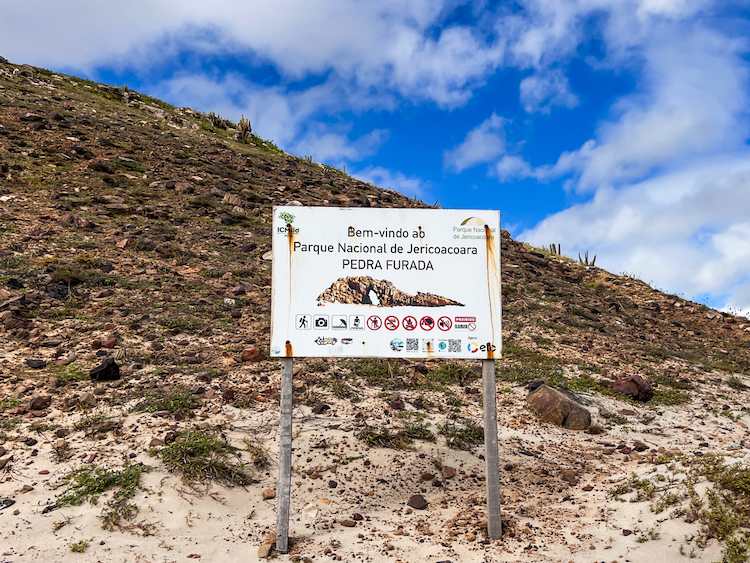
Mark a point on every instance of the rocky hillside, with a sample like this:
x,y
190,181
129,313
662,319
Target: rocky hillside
x,y
135,237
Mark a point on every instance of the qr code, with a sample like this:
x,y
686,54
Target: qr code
x,y
412,345
454,345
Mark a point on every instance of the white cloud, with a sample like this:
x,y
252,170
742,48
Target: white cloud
x,y
687,231
543,90
407,185
333,147
693,102
482,144
387,45
512,166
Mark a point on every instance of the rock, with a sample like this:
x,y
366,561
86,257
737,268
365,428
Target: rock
x,y
269,493
250,354
634,386
110,342
595,429
40,402
626,532
641,447
364,290
6,503
448,472
30,441
108,370
357,517
88,399
347,523
266,547
570,476
554,406
417,502
36,363
170,436
320,408
397,404
427,476
332,484
535,384
155,442
5,461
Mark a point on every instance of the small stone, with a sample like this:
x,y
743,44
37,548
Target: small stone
x,y
110,342
108,370
348,523
626,532
40,402
332,484
36,363
170,436
397,404
641,447
87,399
44,472
418,502
269,493
30,441
427,476
570,476
357,517
320,408
250,354
155,442
266,547
448,472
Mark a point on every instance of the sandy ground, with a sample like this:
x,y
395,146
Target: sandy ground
x,y
336,477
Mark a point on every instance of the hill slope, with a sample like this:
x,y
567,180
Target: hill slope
x,y
134,230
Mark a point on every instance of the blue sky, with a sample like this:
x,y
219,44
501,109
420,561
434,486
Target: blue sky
x,y
614,126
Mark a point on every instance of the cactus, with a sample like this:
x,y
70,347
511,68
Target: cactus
x,y
585,259
555,249
243,130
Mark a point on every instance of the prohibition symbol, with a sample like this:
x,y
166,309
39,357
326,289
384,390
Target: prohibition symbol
x,y
374,322
391,322
409,323
426,323
444,323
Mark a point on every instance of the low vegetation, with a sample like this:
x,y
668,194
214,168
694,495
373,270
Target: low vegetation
x,y
178,401
201,456
89,483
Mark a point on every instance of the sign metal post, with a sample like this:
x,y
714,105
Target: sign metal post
x,y
283,492
494,523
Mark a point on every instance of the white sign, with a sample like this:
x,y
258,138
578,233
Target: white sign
x,y
399,283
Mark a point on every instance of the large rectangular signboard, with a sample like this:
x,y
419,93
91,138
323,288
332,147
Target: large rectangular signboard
x,y
398,283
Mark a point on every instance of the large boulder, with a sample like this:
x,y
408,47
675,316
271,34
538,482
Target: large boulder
x,y
634,386
552,405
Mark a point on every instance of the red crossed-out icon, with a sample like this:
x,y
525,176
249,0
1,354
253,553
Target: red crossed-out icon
x,y
374,322
444,323
426,323
409,323
391,322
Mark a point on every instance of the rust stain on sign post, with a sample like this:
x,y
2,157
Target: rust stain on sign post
x,y
492,289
